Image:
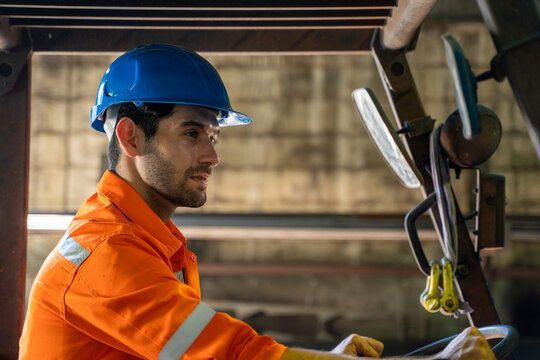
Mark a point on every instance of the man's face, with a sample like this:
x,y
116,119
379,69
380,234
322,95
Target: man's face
x,y
178,160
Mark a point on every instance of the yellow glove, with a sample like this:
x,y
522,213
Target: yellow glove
x,y
469,345
357,345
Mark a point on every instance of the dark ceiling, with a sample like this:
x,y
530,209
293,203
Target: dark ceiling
x,y
277,26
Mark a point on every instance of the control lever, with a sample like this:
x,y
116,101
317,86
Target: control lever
x,y
449,301
430,298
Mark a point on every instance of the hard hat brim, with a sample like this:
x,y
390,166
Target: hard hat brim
x,y
226,118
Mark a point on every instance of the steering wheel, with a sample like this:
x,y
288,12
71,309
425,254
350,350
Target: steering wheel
x,y
508,334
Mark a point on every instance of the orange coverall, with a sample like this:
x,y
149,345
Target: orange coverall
x,y
113,289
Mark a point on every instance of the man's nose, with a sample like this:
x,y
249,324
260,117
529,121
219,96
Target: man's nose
x,y
209,155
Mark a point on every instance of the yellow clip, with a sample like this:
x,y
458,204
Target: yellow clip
x,y
430,297
449,301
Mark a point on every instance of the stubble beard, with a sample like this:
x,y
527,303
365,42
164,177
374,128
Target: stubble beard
x,y
160,176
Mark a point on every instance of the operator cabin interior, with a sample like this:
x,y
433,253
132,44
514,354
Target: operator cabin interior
x,y
308,234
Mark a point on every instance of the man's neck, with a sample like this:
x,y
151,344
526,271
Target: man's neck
x,y
163,208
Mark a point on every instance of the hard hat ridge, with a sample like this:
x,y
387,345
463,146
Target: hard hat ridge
x,y
161,73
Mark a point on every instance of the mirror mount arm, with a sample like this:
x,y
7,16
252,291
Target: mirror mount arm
x,y
417,127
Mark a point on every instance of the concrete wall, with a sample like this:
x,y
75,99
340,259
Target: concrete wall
x,y
306,152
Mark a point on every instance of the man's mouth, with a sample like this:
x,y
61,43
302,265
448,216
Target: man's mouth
x,y
201,178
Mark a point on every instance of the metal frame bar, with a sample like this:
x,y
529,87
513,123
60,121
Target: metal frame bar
x,y
185,14
333,41
407,106
204,4
191,24
405,22
14,159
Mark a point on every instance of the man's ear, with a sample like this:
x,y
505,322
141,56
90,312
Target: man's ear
x,y
130,137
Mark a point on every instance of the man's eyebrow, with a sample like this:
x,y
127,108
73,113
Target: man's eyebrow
x,y
192,123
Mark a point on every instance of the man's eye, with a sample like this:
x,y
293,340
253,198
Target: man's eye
x,y
192,134
214,140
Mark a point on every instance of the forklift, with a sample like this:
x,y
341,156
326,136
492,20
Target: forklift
x,y
423,156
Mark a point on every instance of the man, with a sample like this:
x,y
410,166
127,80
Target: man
x,y
122,284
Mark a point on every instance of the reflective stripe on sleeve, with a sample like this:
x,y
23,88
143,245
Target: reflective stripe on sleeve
x,y
186,334
72,250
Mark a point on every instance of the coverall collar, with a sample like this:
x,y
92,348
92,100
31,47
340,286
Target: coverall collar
x,y
169,239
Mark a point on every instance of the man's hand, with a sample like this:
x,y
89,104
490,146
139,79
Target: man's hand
x,y
469,345
357,345
353,346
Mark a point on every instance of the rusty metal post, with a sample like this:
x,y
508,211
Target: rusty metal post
x,y
407,106
514,28
404,23
14,158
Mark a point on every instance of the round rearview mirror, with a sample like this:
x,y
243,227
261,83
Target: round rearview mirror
x,y
386,139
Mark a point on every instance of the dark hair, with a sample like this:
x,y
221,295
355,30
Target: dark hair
x,y
147,117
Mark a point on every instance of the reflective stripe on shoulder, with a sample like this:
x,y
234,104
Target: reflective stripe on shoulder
x,y
72,250
186,334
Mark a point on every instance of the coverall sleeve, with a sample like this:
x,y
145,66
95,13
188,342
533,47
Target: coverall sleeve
x,y
127,297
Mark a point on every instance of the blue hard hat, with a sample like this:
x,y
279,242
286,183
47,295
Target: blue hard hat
x,y
159,73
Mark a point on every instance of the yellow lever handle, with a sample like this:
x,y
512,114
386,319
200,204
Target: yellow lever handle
x,y
430,298
449,301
